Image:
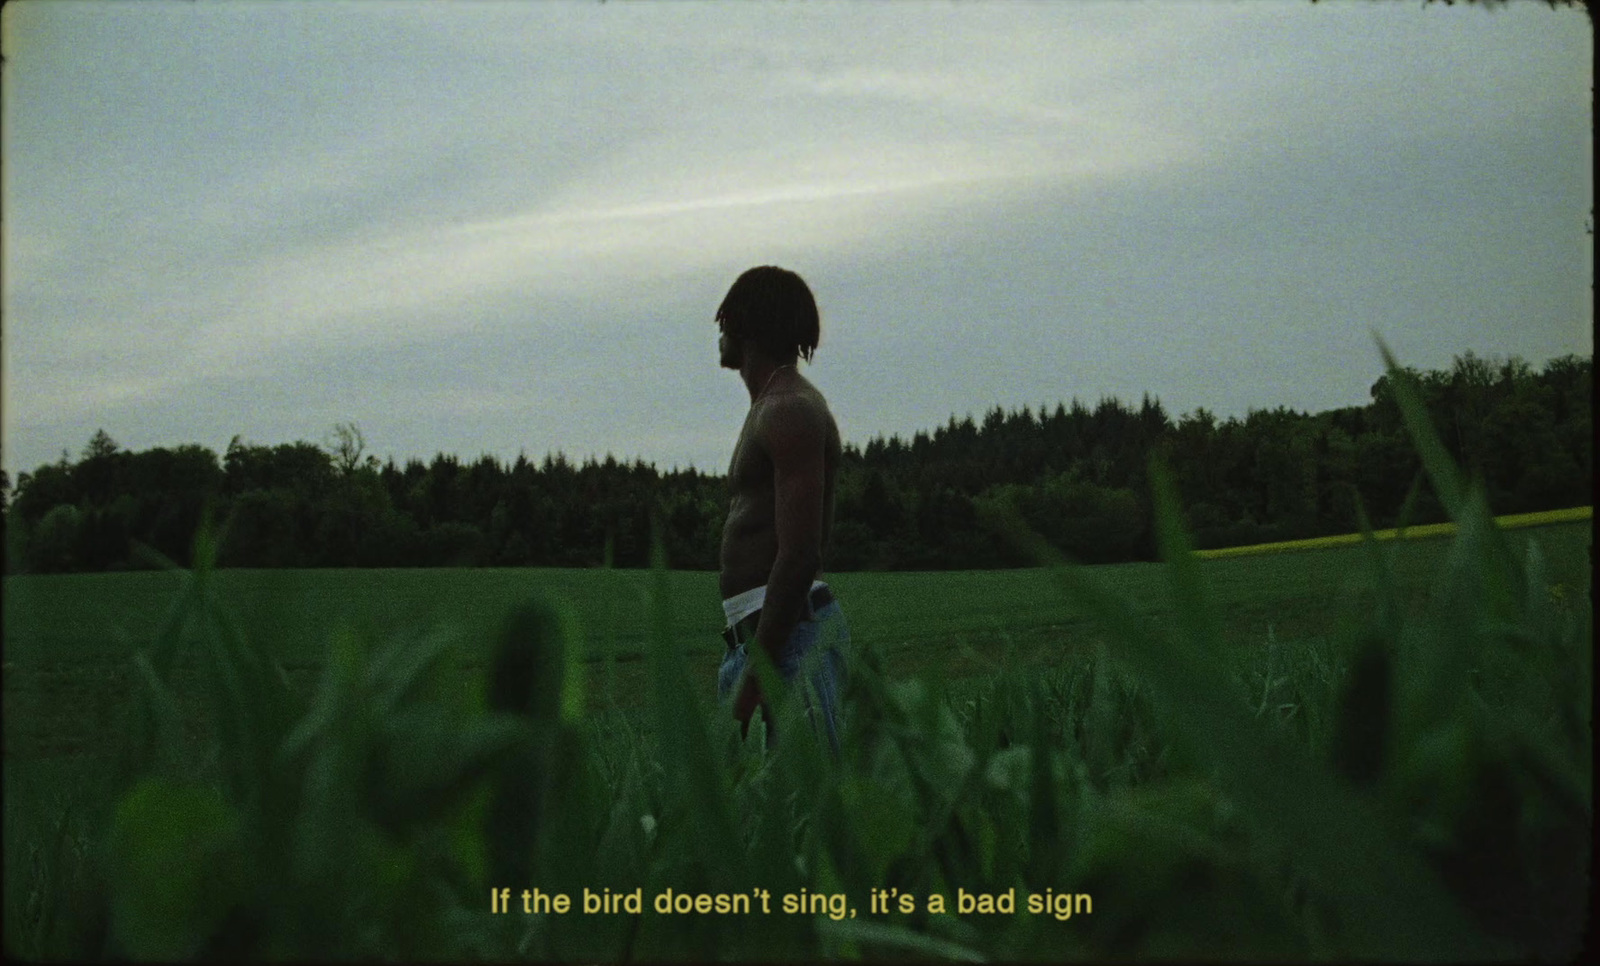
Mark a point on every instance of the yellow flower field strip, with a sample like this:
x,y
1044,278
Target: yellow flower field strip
x,y
1544,518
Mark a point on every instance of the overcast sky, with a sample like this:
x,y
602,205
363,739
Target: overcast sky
x,y
493,227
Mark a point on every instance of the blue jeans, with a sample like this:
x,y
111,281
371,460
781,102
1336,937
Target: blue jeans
x,y
816,646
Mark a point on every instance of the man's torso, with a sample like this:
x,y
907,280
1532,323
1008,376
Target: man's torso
x,y
749,537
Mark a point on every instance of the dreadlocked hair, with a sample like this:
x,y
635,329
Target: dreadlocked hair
x,y
772,307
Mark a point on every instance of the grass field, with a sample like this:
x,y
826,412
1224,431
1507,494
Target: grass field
x,y
68,637
1347,753
1379,752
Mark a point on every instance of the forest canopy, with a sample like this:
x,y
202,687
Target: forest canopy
x,y
1075,473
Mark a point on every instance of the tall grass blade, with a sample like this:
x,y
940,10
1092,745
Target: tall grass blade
x,y
1435,459
1460,503
528,677
697,783
874,935
1045,836
1337,834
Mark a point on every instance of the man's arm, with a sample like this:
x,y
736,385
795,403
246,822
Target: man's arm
x,y
794,438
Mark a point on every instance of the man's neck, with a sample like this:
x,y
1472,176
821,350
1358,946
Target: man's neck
x,y
759,373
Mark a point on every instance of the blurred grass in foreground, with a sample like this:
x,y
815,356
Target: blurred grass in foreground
x,y
1410,785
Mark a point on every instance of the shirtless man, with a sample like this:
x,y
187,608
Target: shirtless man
x,y
781,511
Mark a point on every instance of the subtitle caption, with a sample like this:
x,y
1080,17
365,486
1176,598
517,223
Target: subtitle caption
x,y
1060,905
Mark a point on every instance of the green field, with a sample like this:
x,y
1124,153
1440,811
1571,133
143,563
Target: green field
x,y
1375,752
68,637
1219,765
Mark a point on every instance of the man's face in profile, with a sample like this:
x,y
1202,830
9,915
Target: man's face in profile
x,y
728,350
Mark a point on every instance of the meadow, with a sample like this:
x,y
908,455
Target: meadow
x,y
1373,751
68,638
981,641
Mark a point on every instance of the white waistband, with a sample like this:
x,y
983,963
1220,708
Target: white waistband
x,y
740,606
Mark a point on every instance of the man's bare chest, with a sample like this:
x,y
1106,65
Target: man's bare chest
x,y
750,469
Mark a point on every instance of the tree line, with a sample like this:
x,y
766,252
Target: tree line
x,y
1075,474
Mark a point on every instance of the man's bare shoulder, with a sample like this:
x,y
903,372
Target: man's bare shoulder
x,y
798,410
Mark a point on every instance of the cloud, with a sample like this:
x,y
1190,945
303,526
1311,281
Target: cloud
x,y
320,195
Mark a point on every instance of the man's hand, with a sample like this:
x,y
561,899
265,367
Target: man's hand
x,y
750,697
